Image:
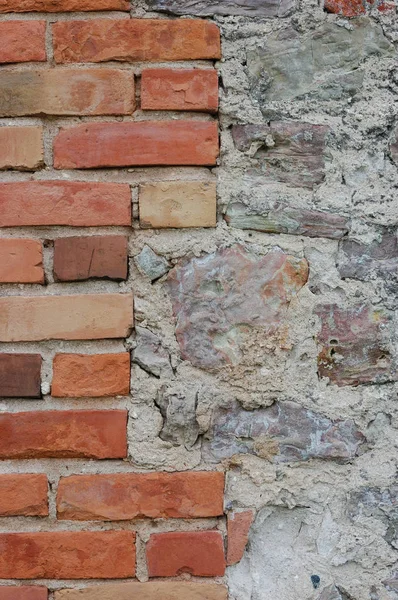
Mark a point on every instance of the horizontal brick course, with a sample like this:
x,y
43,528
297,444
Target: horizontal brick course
x,y
73,203
179,89
21,148
153,590
22,41
67,555
23,592
100,40
24,495
21,261
66,92
63,434
20,375
52,6
81,258
145,143
124,496
90,376
84,317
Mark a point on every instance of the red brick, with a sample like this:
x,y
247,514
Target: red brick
x,y
347,8
67,555
71,203
21,148
52,6
81,258
151,590
179,89
22,41
144,143
23,592
23,495
125,496
85,317
91,376
20,375
100,40
66,92
238,534
64,434
21,261
200,553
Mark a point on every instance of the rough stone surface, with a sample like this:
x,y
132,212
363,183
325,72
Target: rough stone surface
x,y
21,148
283,432
177,405
238,527
20,375
23,495
282,218
374,504
237,291
153,265
249,8
21,261
149,353
167,590
353,346
363,261
292,153
330,593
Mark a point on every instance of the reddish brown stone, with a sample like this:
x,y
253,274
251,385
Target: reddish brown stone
x,y
64,434
25,495
67,555
81,258
22,41
52,6
200,553
347,8
125,496
353,350
238,534
91,375
21,261
179,89
23,592
20,375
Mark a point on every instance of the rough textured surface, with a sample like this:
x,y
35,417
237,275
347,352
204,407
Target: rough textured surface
x,y
167,590
149,353
365,261
20,375
22,41
21,261
238,534
250,8
150,263
23,495
61,5
21,148
23,592
237,291
176,89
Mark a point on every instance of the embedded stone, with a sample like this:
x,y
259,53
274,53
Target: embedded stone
x,y
208,8
153,265
219,298
376,503
394,147
392,583
325,62
282,218
177,406
292,153
352,346
330,593
283,432
362,261
149,353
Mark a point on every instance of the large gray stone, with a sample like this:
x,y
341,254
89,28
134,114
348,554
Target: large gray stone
x,y
325,62
377,503
364,261
283,432
392,582
149,353
153,265
220,298
208,8
291,153
177,405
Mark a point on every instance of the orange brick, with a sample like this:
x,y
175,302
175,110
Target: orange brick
x,y
100,40
179,89
24,592
21,148
200,553
125,496
152,590
85,317
24,495
71,203
21,261
238,534
22,41
144,143
67,555
52,6
66,92
64,434
91,376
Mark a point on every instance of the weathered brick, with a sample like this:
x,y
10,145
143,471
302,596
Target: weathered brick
x,y
20,375
22,41
144,143
91,376
71,203
125,496
347,8
133,40
179,89
7,6
238,527
23,592
21,148
66,92
167,590
80,258
200,553
85,317
67,555
24,495
21,261
63,434
178,204
208,8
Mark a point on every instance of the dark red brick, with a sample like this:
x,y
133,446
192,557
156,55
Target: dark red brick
x,y
20,375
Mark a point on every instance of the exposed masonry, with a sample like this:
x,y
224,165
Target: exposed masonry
x,y
283,378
